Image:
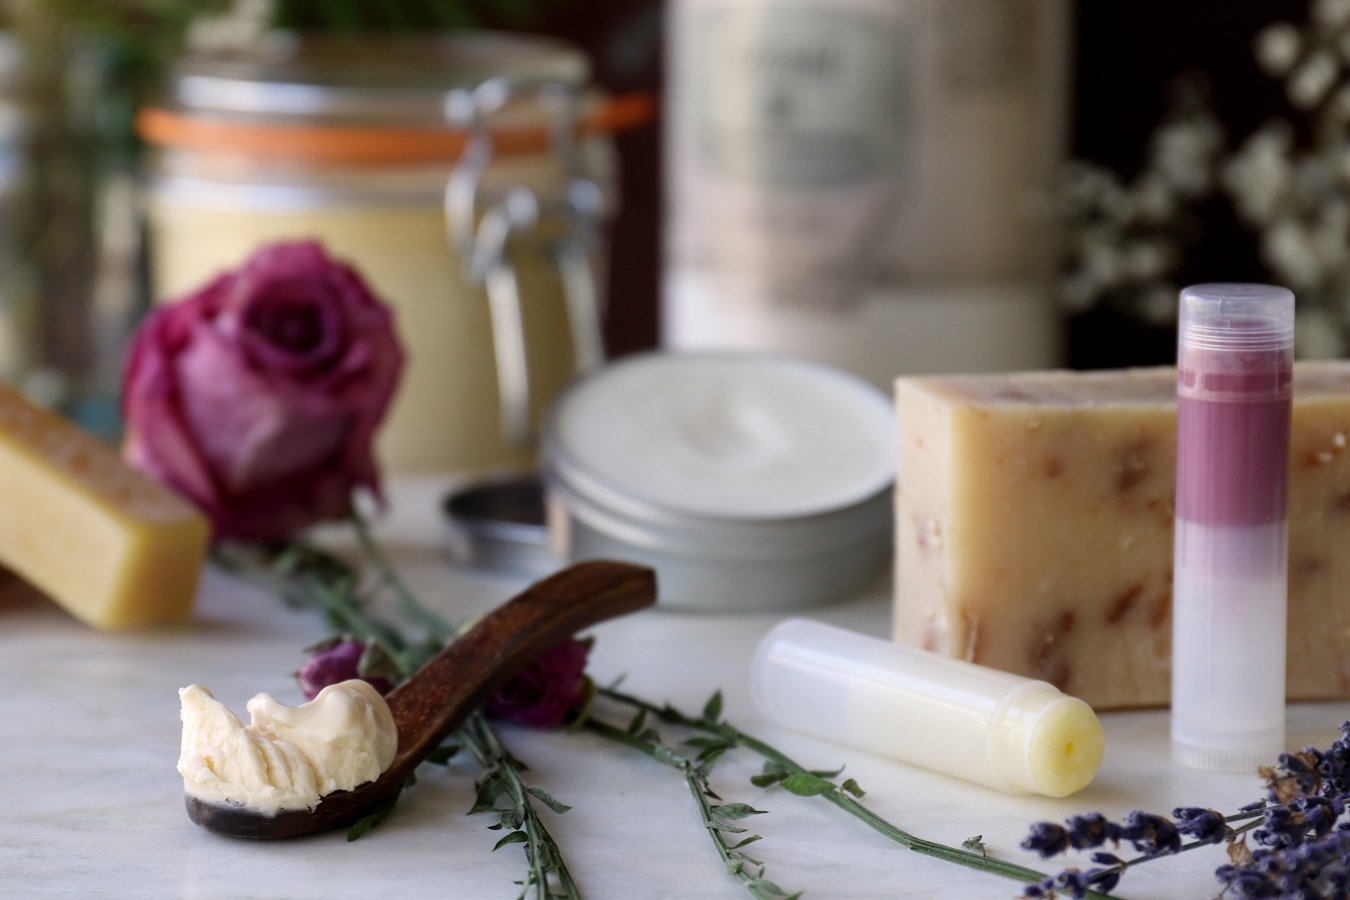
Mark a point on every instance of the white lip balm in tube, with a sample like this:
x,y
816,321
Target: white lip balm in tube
x,y
1235,351
993,728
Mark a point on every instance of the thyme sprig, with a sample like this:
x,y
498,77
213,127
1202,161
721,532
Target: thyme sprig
x,y
719,819
308,576
781,770
502,780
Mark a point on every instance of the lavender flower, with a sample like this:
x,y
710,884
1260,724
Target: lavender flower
x,y
1047,839
1092,830
1151,834
1301,831
1205,825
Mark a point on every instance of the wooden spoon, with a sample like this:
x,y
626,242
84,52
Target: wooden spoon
x,y
443,693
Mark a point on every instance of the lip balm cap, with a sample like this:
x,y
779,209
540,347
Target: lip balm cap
x,y
1236,317
1010,733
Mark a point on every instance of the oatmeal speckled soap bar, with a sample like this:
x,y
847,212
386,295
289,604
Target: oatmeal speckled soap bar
x,y
1034,528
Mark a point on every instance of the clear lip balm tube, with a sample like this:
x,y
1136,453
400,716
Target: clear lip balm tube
x,y
1235,353
947,715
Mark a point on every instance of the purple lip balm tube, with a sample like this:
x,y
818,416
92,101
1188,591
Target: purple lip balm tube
x,y
1235,355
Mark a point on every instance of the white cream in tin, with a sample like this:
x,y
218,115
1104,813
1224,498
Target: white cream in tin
x,y
746,481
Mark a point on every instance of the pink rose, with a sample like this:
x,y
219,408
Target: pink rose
x,y
258,396
547,690
334,663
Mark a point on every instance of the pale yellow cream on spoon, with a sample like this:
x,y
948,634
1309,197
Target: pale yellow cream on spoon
x,y
287,757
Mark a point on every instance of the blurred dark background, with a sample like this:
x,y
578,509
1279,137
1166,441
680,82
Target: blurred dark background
x,y
1127,56
1127,59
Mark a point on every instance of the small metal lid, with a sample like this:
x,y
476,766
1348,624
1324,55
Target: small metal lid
x,y
499,525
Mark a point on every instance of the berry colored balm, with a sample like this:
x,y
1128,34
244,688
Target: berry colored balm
x,y
1235,353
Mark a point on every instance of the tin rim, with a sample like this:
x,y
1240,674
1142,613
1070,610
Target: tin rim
x,y
617,511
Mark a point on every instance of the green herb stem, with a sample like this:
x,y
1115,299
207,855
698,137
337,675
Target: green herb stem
x,y
833,794
746,869
438,629
346,613
540,849
318,580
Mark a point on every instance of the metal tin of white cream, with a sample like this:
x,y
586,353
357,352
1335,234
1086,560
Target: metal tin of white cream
x,y
747,481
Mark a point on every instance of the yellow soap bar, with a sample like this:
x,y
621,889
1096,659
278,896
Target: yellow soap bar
x,y
112,546
1034,528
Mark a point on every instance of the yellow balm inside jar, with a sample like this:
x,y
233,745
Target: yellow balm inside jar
x,y
468,178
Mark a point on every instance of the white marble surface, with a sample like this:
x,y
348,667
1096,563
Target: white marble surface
x,y
93,807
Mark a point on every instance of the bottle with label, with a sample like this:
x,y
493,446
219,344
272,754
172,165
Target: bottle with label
x,y
861,181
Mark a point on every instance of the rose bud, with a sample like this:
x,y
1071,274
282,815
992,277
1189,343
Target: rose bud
x,y
547,690
257,397
333,663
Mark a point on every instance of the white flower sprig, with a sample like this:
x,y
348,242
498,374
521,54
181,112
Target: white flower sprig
x,y
1288,182
1123,243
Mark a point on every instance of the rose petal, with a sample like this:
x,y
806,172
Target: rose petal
x,y
258,396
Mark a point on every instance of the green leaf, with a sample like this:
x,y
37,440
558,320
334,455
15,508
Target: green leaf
x,y
380,813
486,792
547,799
727,827
442,755
360,827
807,785
709,758
705,742
772,774
748,840
712,710
639,719
736,811
828,773
376,662
667,755
852,787
764,889
515,837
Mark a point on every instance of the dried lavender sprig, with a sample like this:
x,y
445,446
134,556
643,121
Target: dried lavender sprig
x,y
1303,841
811,783
1154,836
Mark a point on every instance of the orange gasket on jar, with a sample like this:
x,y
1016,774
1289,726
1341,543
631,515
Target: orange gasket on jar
x,y
363,144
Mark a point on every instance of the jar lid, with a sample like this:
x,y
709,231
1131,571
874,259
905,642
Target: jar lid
x,y
376,99
734,455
